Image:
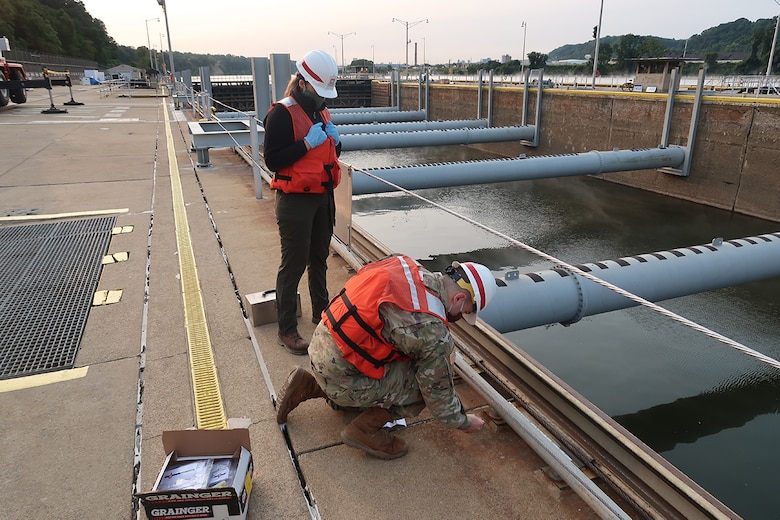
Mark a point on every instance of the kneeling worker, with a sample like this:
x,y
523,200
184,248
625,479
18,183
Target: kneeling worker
x,y
384,347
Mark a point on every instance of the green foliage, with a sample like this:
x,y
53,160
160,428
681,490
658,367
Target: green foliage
x,y
61,27
64,27
537,60
736,36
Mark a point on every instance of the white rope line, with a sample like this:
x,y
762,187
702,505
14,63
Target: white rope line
x,y
638,299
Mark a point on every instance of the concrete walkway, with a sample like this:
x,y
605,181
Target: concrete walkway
x,y
74,441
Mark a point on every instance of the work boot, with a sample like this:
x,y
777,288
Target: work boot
x,y
366,433
294,343
299,387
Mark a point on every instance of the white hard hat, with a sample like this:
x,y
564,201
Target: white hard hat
x,y
483,286
320,70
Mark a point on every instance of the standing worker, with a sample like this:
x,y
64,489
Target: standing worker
x,y
384,347
302,147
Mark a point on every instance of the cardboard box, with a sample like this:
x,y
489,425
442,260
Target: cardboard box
x,y
207,474
262,307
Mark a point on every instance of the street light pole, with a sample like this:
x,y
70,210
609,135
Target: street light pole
x,y
170,47
162,55
772,50
596,54
522,58
342,36
407,40
149,41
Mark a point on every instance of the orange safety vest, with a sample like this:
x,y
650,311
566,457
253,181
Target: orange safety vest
x,y
316,172
353,315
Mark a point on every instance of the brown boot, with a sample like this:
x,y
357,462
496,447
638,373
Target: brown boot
x,y
299,387
294,343
366,433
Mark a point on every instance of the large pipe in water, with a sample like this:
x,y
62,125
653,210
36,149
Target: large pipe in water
x,y
351,142
502,170
348,118
560,296
410,126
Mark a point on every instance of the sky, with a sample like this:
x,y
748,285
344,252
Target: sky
x,y
444,30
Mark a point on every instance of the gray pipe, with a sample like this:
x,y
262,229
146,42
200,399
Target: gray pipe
x,y
557,296
411,126
349,118
501,170
362,110
351,142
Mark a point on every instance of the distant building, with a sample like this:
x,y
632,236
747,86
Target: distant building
x,y
654,74
569,62
125,72
506,58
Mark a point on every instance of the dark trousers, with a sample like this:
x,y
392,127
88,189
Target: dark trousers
x,y
305,229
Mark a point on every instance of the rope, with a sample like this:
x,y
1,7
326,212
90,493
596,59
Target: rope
x,y
638,299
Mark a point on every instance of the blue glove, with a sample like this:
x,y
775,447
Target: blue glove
x,y
333,132
316,136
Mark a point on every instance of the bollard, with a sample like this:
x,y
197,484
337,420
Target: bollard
x,y
69,84
52,109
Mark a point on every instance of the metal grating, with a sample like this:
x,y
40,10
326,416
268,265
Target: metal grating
x,y
48,274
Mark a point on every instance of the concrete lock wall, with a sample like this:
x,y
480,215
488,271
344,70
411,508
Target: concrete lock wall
x,y
736,158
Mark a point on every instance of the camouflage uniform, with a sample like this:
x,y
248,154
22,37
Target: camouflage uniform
x,y
408,385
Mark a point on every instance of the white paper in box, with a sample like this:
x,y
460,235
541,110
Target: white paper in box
x,y
207,474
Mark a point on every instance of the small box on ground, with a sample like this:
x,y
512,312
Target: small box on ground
x,y
262,307
207,474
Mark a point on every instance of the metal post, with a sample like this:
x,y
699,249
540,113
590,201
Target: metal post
x,y
427,94
524,119
398,89
772,50
596,54
479,94
342,36
522,58
281,72
148,41
406,39
674,85
686,166
205,91
170,47
262,87
420,90
490,98
255,144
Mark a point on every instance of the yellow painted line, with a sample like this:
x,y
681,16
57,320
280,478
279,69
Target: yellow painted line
x,y
64,215
20,383
209,408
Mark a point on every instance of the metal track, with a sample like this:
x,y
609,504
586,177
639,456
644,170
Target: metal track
x,y
648,483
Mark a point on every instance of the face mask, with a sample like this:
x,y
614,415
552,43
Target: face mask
x,y
314,97
453,317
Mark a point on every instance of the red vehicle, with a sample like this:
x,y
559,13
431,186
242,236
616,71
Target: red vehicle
x,y
16,92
